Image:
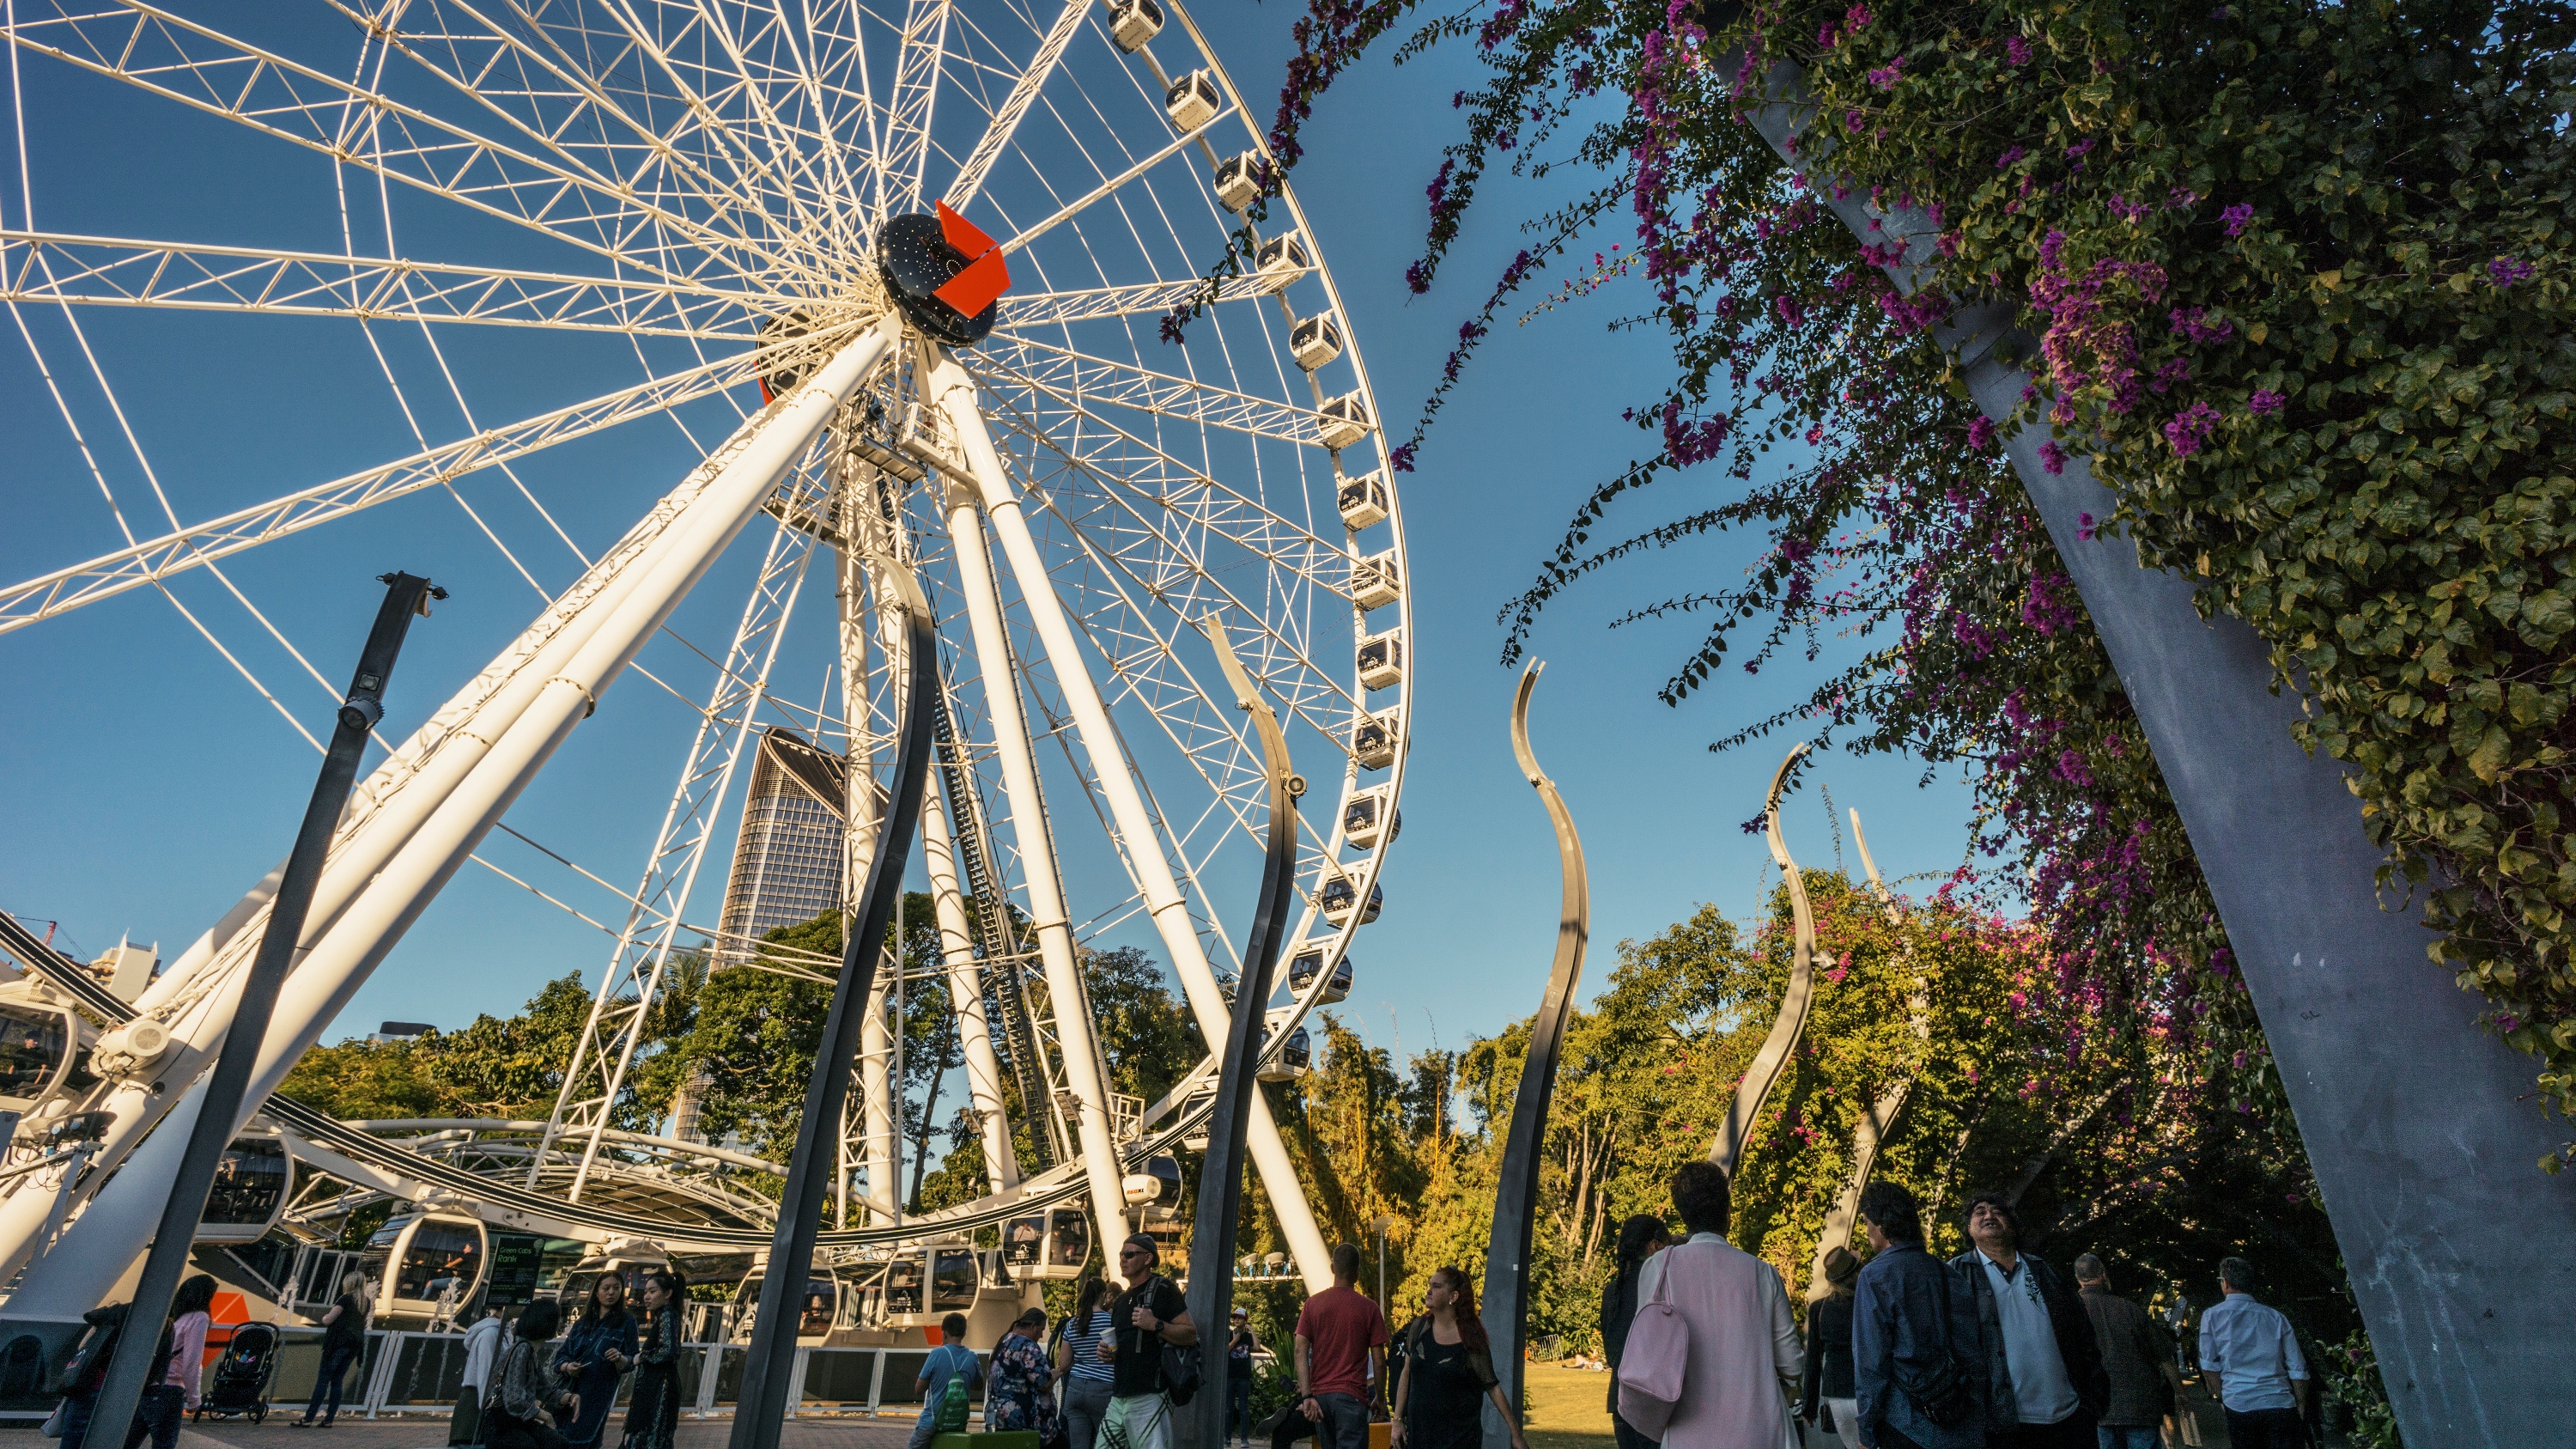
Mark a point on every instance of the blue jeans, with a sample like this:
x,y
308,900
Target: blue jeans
x,y
335,1367
156,1415
1238,1405
2128,1437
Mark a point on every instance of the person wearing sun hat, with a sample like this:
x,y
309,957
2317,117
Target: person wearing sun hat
x,y
1830,1386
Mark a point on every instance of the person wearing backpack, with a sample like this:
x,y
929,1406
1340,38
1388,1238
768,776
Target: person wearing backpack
x,y
1149,1318
1914,1384
86,1375
952,1363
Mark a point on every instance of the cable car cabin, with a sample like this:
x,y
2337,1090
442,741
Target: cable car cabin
x,y
1133,24
1343,421
1381,659
825,1306
1048,1245
1309,965
1160,1182
1192,101
1368,818
39,1050
1339,897
425,1267
1362,501
1315,341
1373,740
1238,180
1295,1057
250,1189
1281,260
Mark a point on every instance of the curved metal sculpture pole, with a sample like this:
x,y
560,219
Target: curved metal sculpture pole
x,y
1220,1205
1880,1118
2453,1240
768,1370
1770,1062
1506,1307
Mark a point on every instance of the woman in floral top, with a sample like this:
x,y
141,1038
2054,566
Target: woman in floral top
x,y
1017,1397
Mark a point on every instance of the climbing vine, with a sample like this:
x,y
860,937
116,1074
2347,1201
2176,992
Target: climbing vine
x,y
2295,279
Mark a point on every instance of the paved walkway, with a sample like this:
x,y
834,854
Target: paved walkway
x,y
431,1433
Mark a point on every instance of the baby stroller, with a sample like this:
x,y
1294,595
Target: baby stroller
x,y
243,1375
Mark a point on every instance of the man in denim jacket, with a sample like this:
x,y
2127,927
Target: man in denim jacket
x,y
1906,1326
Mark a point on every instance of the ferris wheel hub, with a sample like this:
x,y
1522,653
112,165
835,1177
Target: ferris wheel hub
x,y
944,274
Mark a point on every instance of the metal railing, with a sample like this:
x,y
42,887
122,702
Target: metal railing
x,y
410,1373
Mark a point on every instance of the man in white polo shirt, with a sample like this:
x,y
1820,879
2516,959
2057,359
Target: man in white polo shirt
x,y
2255,1357
2043,1381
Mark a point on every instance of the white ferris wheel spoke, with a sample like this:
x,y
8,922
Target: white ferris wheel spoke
x,y
159,558
209,71
907,123
1006,118
1089,383
49,267
1142,299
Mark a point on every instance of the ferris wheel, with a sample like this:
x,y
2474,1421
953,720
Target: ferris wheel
x,y
813,301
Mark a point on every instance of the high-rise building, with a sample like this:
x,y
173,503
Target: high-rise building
x,y
788,860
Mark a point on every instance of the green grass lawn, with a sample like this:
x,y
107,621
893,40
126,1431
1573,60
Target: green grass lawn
x,y
1568,1408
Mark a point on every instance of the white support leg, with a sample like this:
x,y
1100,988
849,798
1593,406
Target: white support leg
x,y
966,994
120,1219
1037,863
876,1052
1143,852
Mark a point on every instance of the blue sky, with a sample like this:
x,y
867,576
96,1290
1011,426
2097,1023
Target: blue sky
x,y
143,783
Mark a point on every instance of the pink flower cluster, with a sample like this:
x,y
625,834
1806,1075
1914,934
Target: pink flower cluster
x,y
2190,429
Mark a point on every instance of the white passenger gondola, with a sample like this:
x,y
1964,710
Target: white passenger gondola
x,y
1048,1245
1315,341
1309,964
1202,1094
1343,421
1339,898
1133,24
1375,582
1238,180
249,1192
823,1307
1192,100
1373,739
425,1267
1381,659
39,1048
1363,500
1281,260
1292,1060
1369,816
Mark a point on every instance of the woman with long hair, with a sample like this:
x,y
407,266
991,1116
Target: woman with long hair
x,y
523,1394
168,1399
1016,1396
1448,1373
1640,1237
653,1410
344,1342
1831,1383
1078,1364
598,1352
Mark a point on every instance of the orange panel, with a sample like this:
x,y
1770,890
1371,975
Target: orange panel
x,y
968,238
973,290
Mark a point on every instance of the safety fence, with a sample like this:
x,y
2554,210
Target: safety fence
x,y
409,1373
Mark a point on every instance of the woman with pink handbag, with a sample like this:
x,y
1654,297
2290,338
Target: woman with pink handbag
x,y
1714,1349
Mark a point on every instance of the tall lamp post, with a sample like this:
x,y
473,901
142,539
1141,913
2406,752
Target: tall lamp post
x,y
133,1362
1380,1224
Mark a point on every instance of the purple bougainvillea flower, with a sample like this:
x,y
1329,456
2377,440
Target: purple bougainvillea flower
x,y
2016,50
2052,457
2182,198
2079,148
1885,77
1981,432
1826,36
2011,154
2190,429
2264,404
2505,271
1856,18
2236,217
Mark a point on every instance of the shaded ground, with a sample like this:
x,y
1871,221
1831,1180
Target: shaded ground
x,y
427,1433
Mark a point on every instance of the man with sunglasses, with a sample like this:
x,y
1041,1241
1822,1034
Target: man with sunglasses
x,y
1150,1314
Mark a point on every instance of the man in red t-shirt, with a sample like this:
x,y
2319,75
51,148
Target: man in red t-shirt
x,y
1341,1348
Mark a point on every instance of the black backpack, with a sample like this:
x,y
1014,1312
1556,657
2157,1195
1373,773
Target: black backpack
x,y
1183,1368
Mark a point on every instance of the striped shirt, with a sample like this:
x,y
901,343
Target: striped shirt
x,y
1084,1340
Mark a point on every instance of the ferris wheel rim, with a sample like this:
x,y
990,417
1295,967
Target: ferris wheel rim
x,y
1367,867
